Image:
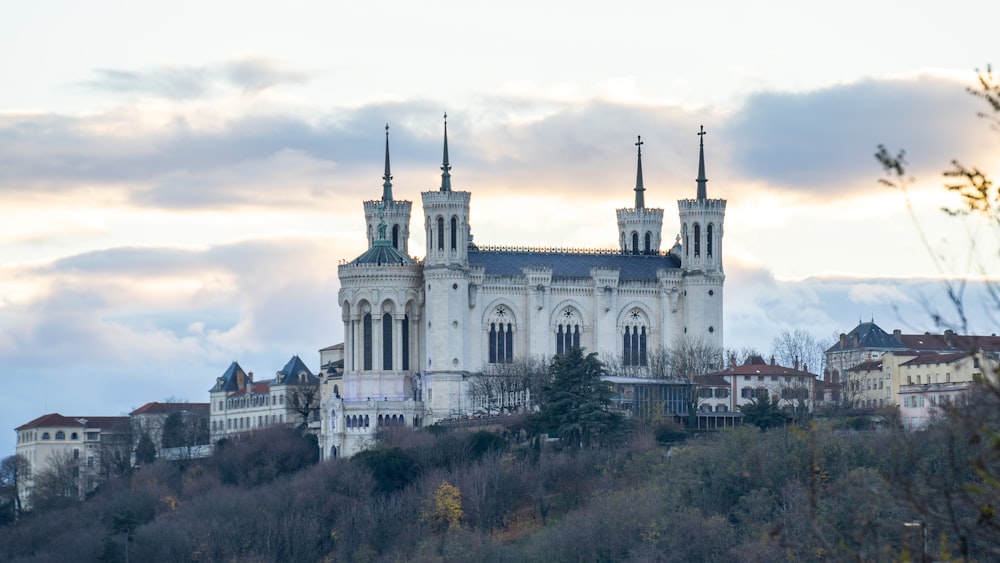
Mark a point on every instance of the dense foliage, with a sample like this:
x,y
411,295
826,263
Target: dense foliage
x,y
788,494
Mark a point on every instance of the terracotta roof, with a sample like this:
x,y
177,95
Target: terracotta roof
x,y
167,408
711,381
262,388
56,419
870,365
949,341
763,369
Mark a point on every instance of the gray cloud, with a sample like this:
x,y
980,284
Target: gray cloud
x,y
815,143
823,141
250,75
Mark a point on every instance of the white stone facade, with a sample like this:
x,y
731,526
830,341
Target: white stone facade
x,y
417,332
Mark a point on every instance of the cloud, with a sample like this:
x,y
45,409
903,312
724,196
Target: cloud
x,y
822,141
871,294
251,76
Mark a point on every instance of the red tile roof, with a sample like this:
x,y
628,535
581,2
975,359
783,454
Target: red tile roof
x,y
167,408
56,419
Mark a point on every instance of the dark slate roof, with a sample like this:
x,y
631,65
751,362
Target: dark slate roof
x,y
869,335
290,373
571,264
383,252
230,381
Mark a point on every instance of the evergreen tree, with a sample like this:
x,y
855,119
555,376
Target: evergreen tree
x,y
763,412
577,404
145,450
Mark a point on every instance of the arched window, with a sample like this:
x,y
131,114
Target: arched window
x,y
501,336
697,239
45,436
708,240
648,248
635,243
395,236
454,233
440,233
634,339
684,232
333,419
386,341
366,421
367,336
60,435
567,331
404,343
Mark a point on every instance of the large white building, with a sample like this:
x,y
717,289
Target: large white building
x,y
417,332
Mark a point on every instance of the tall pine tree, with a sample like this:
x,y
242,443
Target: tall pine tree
x,y
576,404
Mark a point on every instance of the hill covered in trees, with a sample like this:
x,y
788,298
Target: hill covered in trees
x,y
808,493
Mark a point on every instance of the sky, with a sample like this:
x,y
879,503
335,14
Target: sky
x,y
180,180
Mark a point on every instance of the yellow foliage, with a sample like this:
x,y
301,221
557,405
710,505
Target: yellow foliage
x,y
446,509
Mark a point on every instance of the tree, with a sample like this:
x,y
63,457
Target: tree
x,y
58,483
763,412
446,507
577,403
511,385
145,450
798,348
303,400
14,471
690,358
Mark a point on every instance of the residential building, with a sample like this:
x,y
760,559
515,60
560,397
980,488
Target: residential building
x,y
240,404
87,445
151,419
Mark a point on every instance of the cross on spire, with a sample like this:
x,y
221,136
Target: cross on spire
x,y
445,167
387,177
640,202
702,189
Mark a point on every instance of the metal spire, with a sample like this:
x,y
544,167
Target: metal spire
x,y
702,191
640,202
387,185
445,167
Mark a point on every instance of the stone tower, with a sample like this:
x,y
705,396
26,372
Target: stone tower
x,y
639,228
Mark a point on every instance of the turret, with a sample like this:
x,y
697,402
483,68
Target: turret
x,y
639,228
394,213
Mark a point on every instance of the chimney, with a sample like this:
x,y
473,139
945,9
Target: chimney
x,y
772,359
857,340
805,367
826,375
897,334
795,363
835,377
843,341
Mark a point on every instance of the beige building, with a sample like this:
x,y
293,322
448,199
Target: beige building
x,y
83,443
879,383
797,389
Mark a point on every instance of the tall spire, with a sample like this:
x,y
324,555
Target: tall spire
x,y
445,167
702,191
387,185
640,201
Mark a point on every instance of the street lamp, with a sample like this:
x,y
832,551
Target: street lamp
x,y
923,532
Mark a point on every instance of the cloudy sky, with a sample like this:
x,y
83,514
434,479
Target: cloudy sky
x,y
179,180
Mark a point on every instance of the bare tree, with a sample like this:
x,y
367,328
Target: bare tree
x,y
58,483
14,471
798,348
690,358
303,400
511,385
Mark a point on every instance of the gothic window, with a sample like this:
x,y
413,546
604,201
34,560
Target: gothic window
x,y
405,342
708,241
501,336
454,233
649,243
634,339
440,233
386,341
635,243
567,331
395,236
366,330
687,247
697,240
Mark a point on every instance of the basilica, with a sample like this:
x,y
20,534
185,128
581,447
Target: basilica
x,y
418,332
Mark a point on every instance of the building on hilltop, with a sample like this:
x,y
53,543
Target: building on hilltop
x,y
418,331
240,404
796,389
171,425
83,445
873,366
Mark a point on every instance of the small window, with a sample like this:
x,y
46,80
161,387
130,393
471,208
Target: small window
x,y
60,435
74,436
45,436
